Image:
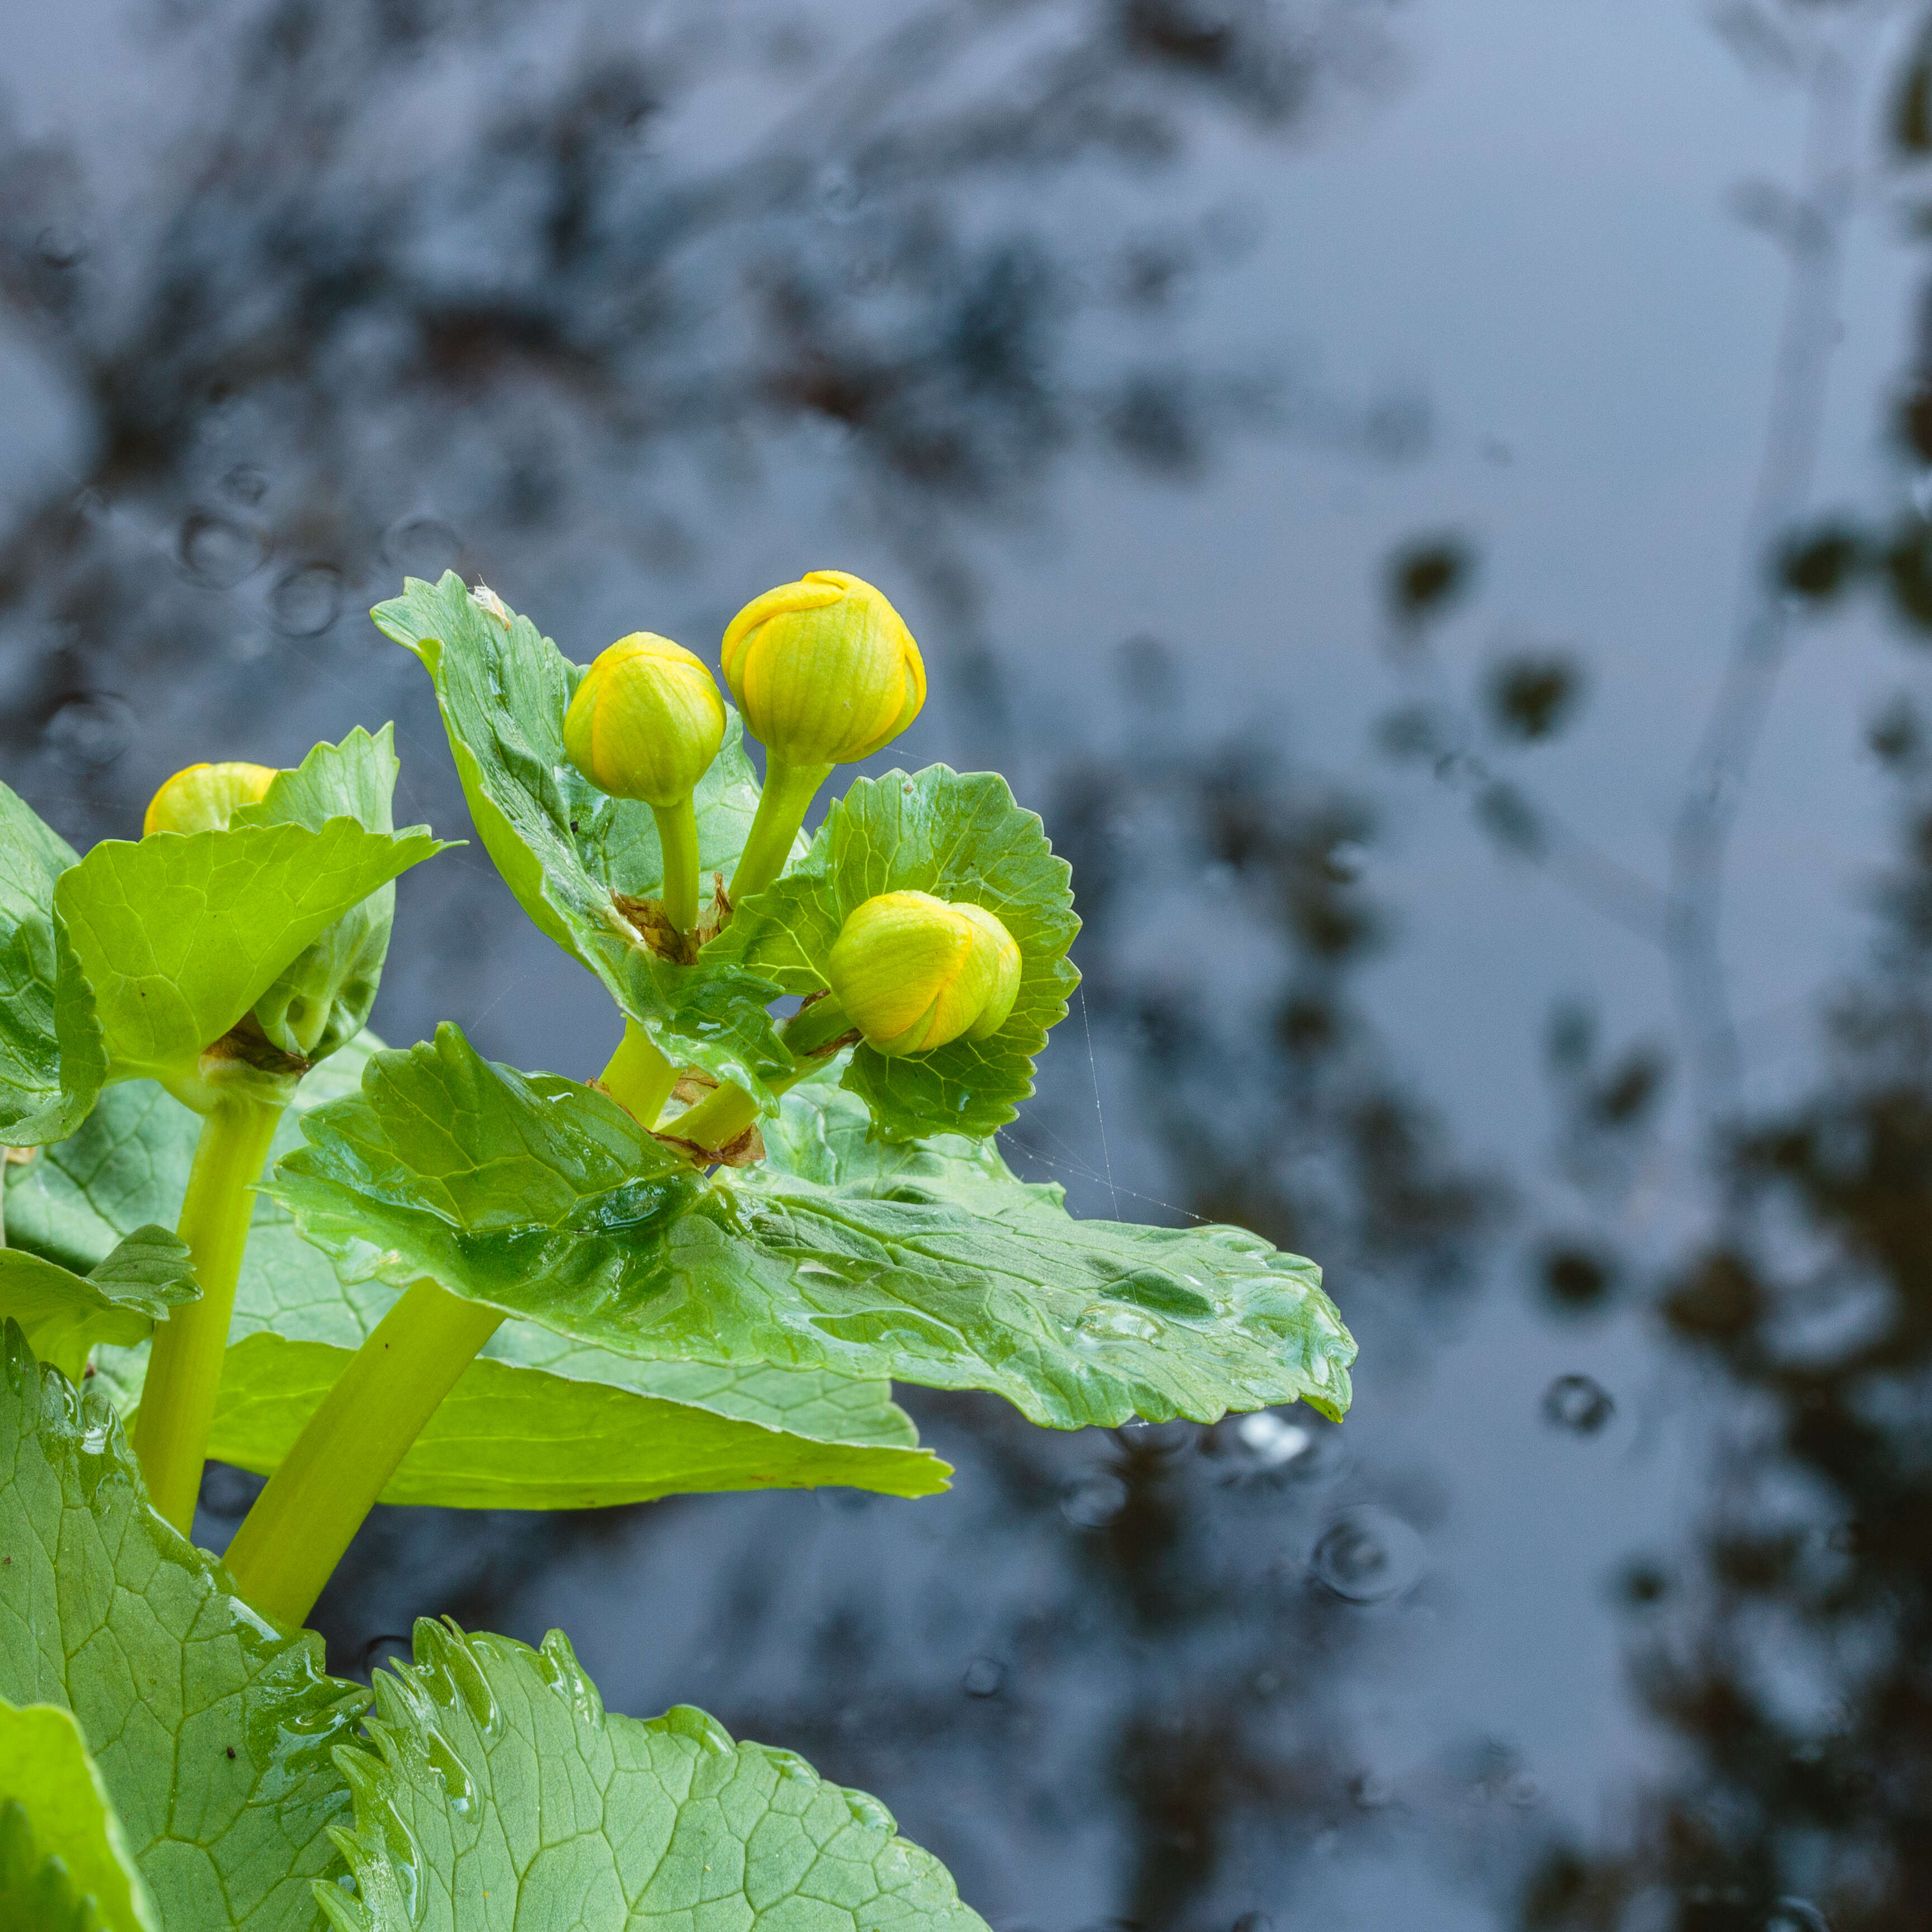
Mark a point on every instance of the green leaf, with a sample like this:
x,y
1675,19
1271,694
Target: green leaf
x,y
506,1799
36,1894
46,1770
66,1315
52,1059
180,933
960,839
569,851
540,1422
323,998
105,1611
512,1436
546,1200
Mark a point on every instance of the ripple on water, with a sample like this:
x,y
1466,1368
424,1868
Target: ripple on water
x,y
1576,1403
1368,1555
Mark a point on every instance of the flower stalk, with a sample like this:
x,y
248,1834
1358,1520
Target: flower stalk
x,y
638,1077
302,1523
183,1378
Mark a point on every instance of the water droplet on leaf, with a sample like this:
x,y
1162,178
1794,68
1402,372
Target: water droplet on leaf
x,y
1576,1403
1367,1555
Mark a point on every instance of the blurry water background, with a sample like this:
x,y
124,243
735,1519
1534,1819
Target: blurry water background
x,y
1428,500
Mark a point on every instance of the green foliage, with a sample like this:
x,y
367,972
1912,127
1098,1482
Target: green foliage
x,y
962,839
539,1423
65,1316
52,1058
512,1436
504,1796
212,1731
323,998
546,1200
571,852
62,1808
180,934
37,1892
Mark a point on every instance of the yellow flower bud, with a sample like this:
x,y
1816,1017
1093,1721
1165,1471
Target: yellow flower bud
x,y
914,972
204,798
645,721
824,669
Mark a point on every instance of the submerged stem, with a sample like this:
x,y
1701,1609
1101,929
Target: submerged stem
x,y
185,1367
638,1077
788,793
677,836
290,1542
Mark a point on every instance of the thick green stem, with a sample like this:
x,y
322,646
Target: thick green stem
x,y
291,1541
677,835
638,1077
185,1365
723,1114
788,793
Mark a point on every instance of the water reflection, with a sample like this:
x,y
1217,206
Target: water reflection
x,y
636,301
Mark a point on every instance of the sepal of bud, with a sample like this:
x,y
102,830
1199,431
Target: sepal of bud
x,y
914,972
824,669
204,798
646,721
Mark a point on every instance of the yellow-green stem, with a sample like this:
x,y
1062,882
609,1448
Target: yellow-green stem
x,y
290,1542
677,836
638,1077
184,1365
782,805
723,1114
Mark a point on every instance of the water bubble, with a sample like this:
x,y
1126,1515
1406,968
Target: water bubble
x,y
1370,1792
1093,1501
217,552
62,245
984,1677
1796,1914
1272,1442
89,732
246,483
1344,862
1576,1403
1367,1555
840,193
307,601
422,547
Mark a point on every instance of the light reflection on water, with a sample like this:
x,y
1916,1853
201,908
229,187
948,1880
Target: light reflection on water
x,y
1319,461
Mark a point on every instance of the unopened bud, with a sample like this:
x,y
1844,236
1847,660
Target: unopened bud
x,y
824,669
204,798
645,721
914,972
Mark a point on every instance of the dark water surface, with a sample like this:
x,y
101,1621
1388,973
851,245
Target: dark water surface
x,y
1428,502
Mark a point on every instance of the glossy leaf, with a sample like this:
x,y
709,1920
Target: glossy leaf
x,y
506,1799
510,1435
540,1422
323,998
570,852
214,1733
961,838
65,1316
52,1059
46,1770
546,1200
180,934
